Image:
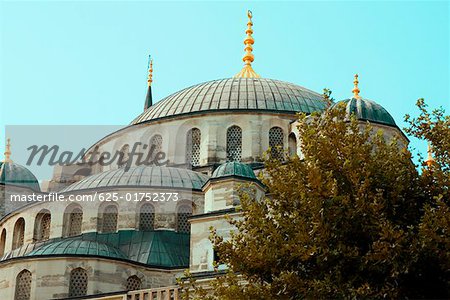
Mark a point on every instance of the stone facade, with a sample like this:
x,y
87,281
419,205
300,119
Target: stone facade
x,y
51,276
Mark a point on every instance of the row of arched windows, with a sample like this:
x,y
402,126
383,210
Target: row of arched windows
x,y
107,222
233,145
78,284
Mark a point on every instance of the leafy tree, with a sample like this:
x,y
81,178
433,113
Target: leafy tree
x,y
431,270
352,218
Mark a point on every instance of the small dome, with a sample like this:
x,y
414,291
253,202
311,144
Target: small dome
x,y
234,169
15,174
368,110
142,176
236,94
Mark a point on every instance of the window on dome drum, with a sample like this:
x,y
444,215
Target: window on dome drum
x,y
78,282
42,226
193,140
234,143
23,285
292,144
276,142
18,233
124,156
2,242
155,145
73,222
133,283
109,219
183,214
146,217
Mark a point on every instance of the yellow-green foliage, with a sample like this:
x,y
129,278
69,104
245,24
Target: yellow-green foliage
x,y
352,219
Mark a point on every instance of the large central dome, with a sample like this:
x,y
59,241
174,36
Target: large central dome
x,y
236,94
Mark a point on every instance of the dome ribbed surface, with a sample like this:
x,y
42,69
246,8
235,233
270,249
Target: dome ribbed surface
x,y
158,248
234,169
142,176
368,110
15,174
254,94
77,246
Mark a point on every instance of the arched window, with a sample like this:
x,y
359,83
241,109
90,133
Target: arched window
x,y
109,219
23,286
78,282
73,219
147,217
124,156
234,143
193,140
133,283
155,145
276,142
42,226
18,233
183,214
292,144
2,242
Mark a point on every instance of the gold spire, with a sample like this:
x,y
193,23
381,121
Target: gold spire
x,y
247,71
8,151
356,89
150,72
430,159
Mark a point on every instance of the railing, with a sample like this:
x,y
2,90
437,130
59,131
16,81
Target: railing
x,y
165,293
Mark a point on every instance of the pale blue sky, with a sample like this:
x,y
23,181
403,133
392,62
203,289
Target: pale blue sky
x,y
86,62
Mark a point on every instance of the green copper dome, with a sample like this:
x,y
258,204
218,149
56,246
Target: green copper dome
x,y
236,94
160,248
368,110
78,247
234,169
143,176
15,174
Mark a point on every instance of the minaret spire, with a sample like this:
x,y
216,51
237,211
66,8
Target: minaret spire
x,y
149,98
8,151
247,71
430,159
356,88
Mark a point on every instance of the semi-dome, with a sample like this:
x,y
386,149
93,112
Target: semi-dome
x,y
367,110
236,94
143,176
75,246
233,169
159,248
15,174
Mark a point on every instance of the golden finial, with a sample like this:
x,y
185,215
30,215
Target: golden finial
x,y
247,71
150,72
8,150
356,89
430,159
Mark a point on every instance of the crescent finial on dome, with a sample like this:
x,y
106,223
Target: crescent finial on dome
x,y
356,88
8,150
247,71
150,71
149,97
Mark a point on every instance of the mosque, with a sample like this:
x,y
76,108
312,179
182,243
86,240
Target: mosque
x,y
214,135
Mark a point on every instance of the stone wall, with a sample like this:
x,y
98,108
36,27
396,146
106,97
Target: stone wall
x,y
51,276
